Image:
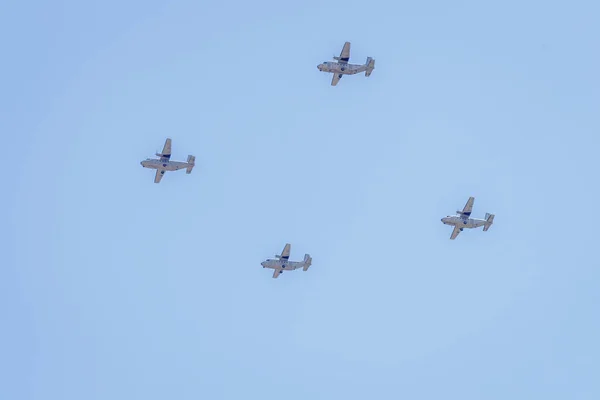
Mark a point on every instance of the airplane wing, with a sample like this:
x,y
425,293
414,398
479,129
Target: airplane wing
x,y
158,176
285,254
345,54
276,273
336,79
468,207
455,233
166,153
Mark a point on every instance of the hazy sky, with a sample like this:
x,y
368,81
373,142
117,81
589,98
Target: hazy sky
x,y
117,288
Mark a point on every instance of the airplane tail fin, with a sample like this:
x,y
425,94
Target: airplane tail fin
x,y
191,163
489,220
307,262
370,66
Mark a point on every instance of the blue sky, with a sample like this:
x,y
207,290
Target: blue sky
x,y
118,288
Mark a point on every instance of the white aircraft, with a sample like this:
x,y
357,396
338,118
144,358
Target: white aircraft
x,y
164,163
463,220
341,67
283,263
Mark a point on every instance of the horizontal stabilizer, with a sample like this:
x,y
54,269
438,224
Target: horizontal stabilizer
x,y
191,160
489,220
307,262
370,66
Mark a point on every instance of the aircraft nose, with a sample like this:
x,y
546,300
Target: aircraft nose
x,y
320,67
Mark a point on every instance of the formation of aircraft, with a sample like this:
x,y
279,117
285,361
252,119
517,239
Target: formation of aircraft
x,y
282,262
341,67
164,163
463,220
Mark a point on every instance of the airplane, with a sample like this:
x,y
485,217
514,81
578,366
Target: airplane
x,y
341,67
463,220
164,163
283,263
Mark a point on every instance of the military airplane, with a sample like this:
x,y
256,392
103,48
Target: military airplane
x,y
463,220
341,67
164,163
283,263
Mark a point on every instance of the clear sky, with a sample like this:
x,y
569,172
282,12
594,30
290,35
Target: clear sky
x,y
113,287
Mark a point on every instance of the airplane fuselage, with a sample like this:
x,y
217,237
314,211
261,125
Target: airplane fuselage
x,y
468,223
341,68
154,163
283,265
